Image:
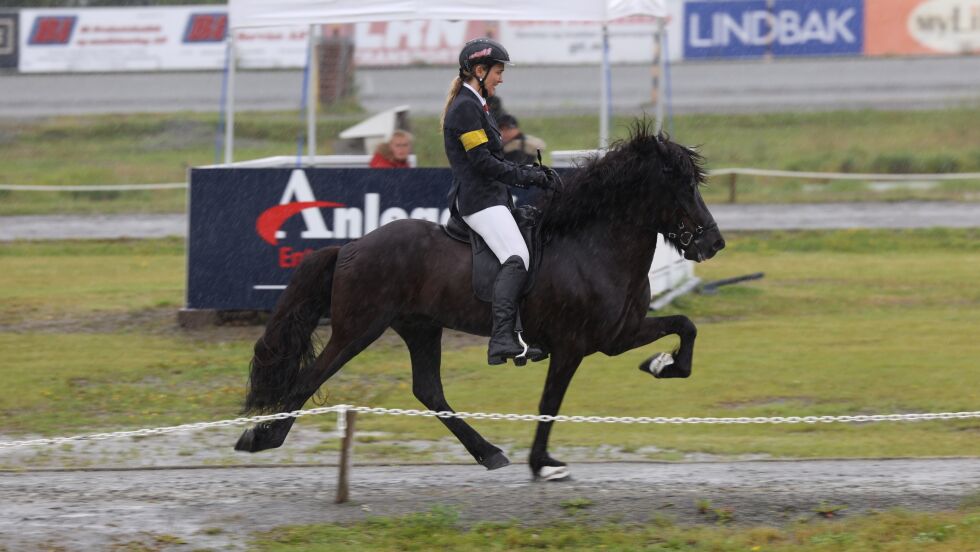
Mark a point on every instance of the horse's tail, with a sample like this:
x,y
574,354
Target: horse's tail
x,y
287,346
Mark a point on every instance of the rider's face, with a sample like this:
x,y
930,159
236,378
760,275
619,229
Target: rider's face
x,y
494,78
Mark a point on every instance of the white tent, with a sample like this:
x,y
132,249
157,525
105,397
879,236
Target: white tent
x,y
276,13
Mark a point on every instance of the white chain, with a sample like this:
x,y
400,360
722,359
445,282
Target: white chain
x,y
342,410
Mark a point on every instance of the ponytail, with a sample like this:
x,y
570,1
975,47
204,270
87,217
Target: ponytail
x,y
454,89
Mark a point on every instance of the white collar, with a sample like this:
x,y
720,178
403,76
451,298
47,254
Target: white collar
x,y
483,100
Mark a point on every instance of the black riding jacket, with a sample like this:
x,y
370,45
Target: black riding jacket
x,y
475,152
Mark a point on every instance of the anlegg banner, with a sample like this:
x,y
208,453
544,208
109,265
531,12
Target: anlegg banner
x,y
755,28
249,228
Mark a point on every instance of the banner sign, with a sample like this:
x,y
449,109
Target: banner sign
x,y
148,39
399,43
249,228
8,40
911,27
631,40
755,28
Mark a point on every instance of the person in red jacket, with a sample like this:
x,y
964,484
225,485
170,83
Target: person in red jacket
x,y
394,153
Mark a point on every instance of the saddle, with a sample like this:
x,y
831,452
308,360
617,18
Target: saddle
x,y
485,263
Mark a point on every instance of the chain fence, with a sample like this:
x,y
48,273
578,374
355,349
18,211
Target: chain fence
x,y
343,409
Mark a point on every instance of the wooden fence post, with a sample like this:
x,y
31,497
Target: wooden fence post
x,y
343,480
731,187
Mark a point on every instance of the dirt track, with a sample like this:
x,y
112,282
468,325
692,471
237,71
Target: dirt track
x,y
216,508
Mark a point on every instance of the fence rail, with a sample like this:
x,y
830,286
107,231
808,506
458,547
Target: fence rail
x,y
732,175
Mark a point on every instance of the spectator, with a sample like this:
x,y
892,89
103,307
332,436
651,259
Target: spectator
x,y
394,153
519,148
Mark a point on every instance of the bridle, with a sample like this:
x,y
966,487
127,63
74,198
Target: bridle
x,y
686,237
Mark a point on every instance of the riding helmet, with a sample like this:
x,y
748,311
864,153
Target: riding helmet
x,y
482,51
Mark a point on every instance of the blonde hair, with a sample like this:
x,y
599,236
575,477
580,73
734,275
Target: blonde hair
x,y
454,89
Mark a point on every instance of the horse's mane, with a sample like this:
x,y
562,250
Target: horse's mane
x,y
645,163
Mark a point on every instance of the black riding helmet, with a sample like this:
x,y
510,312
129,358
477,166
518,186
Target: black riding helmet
x,y
481,51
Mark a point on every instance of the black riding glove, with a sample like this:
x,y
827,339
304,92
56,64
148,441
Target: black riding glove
x,y
533,176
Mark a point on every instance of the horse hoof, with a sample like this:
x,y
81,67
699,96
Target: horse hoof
x,y
246,443
520,361
553,473
656,364
495,462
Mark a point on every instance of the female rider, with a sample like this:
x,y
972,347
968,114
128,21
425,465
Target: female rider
x,y
480,179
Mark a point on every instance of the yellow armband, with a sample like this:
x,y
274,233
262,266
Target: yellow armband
x,y
473,139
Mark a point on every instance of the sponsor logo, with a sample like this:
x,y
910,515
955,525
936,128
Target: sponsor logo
x,y
950,26
52,30
482,53
206,27
348,222
785,27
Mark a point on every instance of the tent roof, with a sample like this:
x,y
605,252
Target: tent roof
x,y
278,13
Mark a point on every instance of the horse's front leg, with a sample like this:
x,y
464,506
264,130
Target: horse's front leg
x,y
662,365
560,371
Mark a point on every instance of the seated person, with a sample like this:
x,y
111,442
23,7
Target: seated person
x,y
394,153
518,147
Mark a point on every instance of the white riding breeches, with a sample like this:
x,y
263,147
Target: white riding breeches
x,y
497,227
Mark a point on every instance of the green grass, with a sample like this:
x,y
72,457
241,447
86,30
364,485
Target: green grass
x,y
440,529
151,148
849,322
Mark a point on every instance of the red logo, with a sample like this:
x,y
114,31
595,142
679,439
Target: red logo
x,y
52,30
206,27
273,218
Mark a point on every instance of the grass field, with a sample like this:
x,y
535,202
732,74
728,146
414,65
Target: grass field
x,y
116,149
439,530
849,322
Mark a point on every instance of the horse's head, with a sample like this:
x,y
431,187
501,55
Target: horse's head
x,y
684,219
646,181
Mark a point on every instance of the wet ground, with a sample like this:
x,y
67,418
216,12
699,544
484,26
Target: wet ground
x,y
217,508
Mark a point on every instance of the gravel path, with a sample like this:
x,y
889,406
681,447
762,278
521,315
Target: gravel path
x,y
217,508
910,214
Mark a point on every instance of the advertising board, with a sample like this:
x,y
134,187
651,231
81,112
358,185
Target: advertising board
x,y
756,28
916,27
249,228
148,39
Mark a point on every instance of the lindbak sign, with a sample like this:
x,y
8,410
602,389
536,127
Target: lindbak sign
x,y
754,28
249,228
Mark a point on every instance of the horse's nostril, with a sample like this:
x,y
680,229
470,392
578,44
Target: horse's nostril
x,y
719,245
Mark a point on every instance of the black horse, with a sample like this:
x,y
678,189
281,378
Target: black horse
x,y
591,293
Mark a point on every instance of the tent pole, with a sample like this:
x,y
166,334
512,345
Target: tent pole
x,y
604,101
661,82
230,100
312,87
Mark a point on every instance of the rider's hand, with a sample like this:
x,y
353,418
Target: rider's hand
x,y
535,176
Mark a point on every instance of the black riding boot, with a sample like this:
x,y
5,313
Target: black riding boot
x,y
504,341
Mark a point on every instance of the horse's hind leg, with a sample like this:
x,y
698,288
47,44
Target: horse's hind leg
x,y
342,347
424,342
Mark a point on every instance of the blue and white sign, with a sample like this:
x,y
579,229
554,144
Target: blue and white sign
x,y
755,28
